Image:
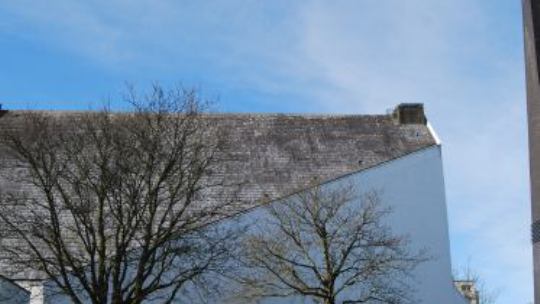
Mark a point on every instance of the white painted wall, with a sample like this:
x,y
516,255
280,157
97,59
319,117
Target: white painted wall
x,y
413,186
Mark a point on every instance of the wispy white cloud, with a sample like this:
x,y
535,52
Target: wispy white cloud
x,y
461,58
447,55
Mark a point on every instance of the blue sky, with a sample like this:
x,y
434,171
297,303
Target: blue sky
x,y
462,58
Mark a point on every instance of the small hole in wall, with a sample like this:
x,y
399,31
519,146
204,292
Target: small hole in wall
x,y
360,162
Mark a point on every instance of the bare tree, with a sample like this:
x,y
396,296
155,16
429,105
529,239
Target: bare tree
x,y
114,208
328,244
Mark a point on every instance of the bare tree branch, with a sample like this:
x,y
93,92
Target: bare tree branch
x,y
115,207
329,244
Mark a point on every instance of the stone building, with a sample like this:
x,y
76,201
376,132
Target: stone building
x,y
468,290
398,153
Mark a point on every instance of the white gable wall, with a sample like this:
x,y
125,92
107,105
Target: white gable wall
x,y
413,186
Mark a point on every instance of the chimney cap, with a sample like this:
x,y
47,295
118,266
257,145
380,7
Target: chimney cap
x,y
410,113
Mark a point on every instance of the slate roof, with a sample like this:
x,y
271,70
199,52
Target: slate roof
x,y
278,154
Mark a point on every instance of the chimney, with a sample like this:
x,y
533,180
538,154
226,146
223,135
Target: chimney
x,y
410,113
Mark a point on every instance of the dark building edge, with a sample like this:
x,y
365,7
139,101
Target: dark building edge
x,y
531,26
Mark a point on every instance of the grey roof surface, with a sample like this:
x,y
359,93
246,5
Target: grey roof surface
x,y
277,154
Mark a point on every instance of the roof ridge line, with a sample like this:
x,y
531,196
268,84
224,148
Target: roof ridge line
x,y
217,114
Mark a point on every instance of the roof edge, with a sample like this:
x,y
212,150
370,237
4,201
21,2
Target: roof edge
x,y
331,180
370,167
213,114
434,134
